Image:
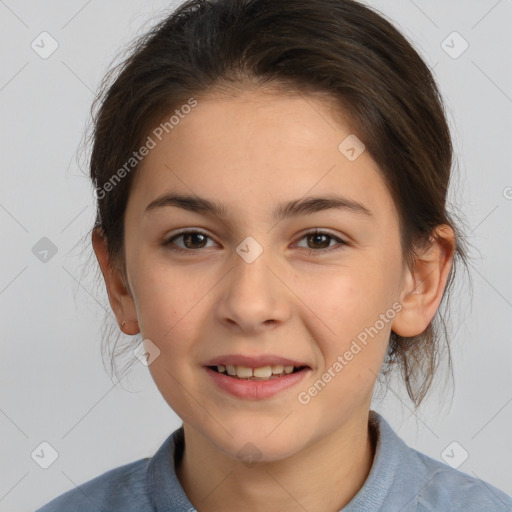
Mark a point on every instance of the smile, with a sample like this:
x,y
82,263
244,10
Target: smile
x,y
256,383
260,373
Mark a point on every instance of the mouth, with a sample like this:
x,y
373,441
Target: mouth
x,y
261,373
255,377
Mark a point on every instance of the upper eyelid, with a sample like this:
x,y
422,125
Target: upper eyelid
x,y
189,230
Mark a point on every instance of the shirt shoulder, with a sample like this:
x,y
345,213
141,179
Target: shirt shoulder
x,y
446,488
122,488
402,478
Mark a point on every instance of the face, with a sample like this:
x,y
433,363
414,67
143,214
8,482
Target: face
x,y
244,287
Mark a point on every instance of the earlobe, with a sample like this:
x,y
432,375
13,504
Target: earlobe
x,y
424,284
119,295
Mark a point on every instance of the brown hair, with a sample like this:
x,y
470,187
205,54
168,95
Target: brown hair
x,y
340,49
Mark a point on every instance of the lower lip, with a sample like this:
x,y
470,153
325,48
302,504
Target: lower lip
x,y
255,389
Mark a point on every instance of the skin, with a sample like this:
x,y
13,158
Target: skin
x,y
252,151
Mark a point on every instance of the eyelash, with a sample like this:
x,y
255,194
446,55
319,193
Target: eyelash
x,y
310,252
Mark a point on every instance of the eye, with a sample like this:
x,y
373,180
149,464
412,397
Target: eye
x,y
192,240
195,240
320,240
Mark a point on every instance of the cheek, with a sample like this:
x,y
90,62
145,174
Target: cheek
x,y
345,298
169,305
169,308
167,296
350,313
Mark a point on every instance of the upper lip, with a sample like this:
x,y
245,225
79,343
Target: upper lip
x,y
253,361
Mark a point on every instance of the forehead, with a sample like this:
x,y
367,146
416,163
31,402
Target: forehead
x,y
254,148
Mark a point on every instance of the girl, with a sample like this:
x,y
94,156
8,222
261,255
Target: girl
x,y
271,180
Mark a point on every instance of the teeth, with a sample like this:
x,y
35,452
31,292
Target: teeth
x,y
243,372
260,373
264,372
277,369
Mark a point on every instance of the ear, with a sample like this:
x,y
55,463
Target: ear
x,y
424,284
119,295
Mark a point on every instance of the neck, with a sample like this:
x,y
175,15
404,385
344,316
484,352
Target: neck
x,y
324,476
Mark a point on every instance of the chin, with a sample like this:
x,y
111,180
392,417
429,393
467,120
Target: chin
x,y
258,441
249,452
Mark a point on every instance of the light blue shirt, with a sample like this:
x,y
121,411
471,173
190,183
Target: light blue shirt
x,y
401,479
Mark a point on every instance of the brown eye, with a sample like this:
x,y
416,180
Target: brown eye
x,y
192,240
320,242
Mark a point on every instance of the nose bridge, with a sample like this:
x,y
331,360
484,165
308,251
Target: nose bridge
x,y
252,295
251,276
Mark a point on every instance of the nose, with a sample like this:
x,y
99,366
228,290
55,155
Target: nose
x,y
253,297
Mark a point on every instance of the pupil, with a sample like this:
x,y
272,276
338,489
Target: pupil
x,y
190,236
315,238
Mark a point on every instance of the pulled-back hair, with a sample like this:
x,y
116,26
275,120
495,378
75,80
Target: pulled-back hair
x,y
340,49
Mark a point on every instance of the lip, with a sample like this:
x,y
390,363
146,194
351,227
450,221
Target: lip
x,y
253,361
255,389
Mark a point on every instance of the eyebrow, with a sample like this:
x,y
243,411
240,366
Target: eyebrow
x,y
304,206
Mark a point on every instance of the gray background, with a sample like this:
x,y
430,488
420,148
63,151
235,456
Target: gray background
x,y
54,386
